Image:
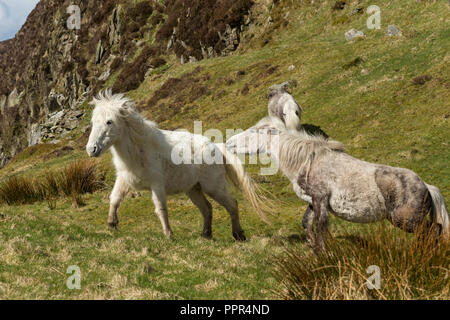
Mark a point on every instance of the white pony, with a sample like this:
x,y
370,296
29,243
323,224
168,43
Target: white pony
x,y
283,106
142,156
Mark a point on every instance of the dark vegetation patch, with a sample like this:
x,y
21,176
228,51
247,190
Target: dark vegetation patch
x,y
245,90
339,5
265,70
278,21
116,63
198,22
135,24
83,139
353,63
421,80
218,95
133,73
182,92
157,62
61,152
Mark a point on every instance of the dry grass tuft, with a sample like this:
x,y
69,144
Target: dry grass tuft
x,y
410,267
73,181
20,190
81,177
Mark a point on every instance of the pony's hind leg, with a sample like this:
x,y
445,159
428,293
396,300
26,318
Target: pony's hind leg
x,y
198,198
159,200
308,226
225,199
320,206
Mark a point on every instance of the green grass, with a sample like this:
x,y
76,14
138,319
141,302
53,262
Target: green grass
x,y
381,116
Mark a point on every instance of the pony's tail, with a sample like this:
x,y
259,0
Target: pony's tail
x,y
239,178
440,212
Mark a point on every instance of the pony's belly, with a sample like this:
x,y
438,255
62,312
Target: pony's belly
x,y
136,183
357,209
181,178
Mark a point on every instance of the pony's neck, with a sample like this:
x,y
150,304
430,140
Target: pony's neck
x,y
124,150
130,148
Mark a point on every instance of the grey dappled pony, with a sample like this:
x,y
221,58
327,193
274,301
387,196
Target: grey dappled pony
x,y
330,180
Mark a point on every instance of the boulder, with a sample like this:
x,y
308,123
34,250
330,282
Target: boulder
x,y
393,31
353,34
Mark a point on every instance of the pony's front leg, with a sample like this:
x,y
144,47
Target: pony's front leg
x,y
119,192
320,207
159,200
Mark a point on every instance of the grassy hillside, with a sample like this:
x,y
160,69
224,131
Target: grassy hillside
x,y
365,93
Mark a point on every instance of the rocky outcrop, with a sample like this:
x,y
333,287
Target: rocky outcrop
x,y
49,70
44,75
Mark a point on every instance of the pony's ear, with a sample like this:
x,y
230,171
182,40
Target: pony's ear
x,y
272,93
123,112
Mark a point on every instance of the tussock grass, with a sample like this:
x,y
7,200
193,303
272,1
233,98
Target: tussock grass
x,y
80,177
74,180
20,190
411,267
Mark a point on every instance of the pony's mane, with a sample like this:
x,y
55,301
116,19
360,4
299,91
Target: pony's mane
x,y
271,122
298,149
118,106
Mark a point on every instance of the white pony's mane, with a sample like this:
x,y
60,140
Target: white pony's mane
x,y
119,107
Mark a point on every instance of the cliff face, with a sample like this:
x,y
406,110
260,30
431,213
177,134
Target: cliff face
x,y
47,71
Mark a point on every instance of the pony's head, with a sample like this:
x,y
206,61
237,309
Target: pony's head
x,y
283,106
108,120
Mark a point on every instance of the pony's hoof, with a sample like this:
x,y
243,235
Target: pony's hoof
x,y
113,225
207,235
239,236
168,234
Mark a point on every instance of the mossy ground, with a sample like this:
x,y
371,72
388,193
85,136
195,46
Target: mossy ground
x,y
379,113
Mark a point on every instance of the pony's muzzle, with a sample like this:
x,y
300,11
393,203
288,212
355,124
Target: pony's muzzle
x,y
93,151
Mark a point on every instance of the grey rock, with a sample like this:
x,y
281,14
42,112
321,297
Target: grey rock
x,y
114,26
353,34
105,75
364,72
3,100
14,98
211,52
99,52
149,72
393,31
34,135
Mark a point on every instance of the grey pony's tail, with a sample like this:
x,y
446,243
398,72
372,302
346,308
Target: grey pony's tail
x,y
440,212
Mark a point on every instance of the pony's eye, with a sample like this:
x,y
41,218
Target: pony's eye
x,y
109,122
296,112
